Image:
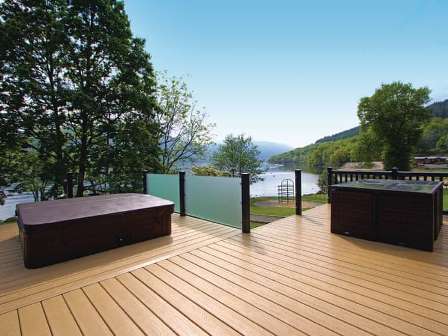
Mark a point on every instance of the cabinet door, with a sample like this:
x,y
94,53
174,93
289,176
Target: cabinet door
x,y
406,219
352,213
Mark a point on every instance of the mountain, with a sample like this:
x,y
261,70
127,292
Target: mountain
x,y
268,149
439,109
299,157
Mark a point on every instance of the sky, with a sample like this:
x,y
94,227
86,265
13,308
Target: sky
x,y
293,71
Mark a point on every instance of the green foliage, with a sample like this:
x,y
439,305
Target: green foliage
x,y
367,148
25,166
78,91
208,171
433,136
184,130
341,135
396,114
317,157
442,144
238,155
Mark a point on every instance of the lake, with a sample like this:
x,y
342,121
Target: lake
x,y
8,209
273,177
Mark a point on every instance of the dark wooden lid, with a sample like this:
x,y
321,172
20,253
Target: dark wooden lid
x,y
44,213
409,186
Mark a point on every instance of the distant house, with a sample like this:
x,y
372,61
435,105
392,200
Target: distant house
x,y
425,160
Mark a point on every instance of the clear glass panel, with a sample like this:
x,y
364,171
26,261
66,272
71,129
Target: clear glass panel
x,y
217,199
164,186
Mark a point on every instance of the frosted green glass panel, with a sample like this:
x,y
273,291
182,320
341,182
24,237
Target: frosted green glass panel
x,y
164,186
217,199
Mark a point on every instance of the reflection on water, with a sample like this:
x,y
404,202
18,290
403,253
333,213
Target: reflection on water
x,y
272,178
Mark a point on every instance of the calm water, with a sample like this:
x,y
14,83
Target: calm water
x,y
8,209
272,178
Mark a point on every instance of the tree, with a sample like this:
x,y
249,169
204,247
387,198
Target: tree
x,y
78,90
208,171
442,144
367,148
238,155
33,87
436,129
184,129
114,92
396,114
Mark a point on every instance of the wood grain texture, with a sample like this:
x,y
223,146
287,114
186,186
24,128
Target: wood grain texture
x,y
290,277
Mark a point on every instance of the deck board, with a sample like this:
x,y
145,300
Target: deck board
x,y
60,318
290,277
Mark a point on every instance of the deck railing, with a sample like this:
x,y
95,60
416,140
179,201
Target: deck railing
x,y
341,176
224,200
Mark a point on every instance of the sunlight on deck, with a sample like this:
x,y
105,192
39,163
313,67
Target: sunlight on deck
x,y
290,277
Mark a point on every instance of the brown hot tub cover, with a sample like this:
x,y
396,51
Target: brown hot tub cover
x,y
58,230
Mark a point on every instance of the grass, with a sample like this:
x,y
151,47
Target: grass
x,y
282,211
318,198
8,220
271,211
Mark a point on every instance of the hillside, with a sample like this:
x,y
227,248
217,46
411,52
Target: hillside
x,y
341,135
439,109
339,148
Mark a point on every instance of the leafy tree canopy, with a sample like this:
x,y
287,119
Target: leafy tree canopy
x,y
208,171
184,132
396,114
77,92
238,155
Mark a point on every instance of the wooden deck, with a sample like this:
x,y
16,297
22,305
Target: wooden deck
x,y
290,277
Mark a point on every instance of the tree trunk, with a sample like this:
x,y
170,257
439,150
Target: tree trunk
x,y
82,156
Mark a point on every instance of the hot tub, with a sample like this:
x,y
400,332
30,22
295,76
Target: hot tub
x,y
59,230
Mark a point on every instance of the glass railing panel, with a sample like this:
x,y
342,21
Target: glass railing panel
x,y
164,186
217,199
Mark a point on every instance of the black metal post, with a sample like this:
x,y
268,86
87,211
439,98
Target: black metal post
x,y
182,193
298,183
394,173
245,202
70,185
329,183
145,182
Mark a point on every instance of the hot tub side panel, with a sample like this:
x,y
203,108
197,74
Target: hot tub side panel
x,y
62,241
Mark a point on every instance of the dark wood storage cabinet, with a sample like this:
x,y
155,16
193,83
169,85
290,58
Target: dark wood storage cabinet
x,y
55,231
407,213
